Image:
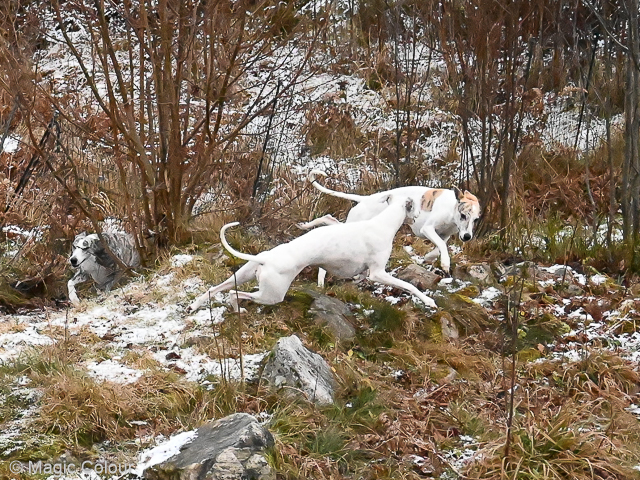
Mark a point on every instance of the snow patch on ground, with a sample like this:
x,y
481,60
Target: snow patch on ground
x,y
11,344
198,366
112,371
488,296
181,260
459,457
164,450
11,144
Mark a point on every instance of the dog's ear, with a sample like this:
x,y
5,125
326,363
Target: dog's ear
x,y
458,192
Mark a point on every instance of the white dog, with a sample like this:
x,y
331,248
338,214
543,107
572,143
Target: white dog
x,y
442,213
92,261
344,249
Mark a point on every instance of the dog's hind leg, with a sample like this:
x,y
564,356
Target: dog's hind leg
x,y
272,287
319,222
388,279
243,275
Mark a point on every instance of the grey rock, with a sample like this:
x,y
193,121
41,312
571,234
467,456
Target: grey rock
x,y
419,277
333,314
498,269
227,449
296,370
449,328
522,269
574,290
478,274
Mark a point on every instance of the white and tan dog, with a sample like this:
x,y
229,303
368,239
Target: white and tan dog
x,y
442,213
343,249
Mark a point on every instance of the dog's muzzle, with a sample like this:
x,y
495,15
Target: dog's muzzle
x,y
75,263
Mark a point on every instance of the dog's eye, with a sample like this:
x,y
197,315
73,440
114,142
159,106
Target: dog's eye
x,y
463,217
84,244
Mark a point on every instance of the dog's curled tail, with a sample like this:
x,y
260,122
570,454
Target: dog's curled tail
x,y
348,196
231,250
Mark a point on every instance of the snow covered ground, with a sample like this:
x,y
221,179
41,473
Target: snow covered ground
x,y
163,326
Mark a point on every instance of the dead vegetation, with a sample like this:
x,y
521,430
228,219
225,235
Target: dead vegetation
x,y
412,403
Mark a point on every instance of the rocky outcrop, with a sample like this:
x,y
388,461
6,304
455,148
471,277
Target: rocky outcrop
x,y
477,274
419,277
334,315
228,449
295,370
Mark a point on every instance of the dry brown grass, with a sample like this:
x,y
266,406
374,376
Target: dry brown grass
x,y
331,130
569,442
82,411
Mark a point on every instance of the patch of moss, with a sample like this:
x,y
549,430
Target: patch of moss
x,y
529,354
626,326
471,291
470,317
385,320
434,327
38,447
322,337
299,299
542,330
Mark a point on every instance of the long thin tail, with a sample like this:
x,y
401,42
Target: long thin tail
x,y
232,251
348,196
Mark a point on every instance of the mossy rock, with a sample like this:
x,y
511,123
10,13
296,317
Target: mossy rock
x,y
384,321
626,326
471,291
301,298
542,330
477,274
547,300
516,282
441,327
529,355
606,288
470,317
10,296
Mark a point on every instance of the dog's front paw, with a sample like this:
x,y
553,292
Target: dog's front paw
x,y
193,307
431,304
442,273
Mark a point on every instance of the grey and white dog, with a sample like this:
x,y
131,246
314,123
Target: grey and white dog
x,y
92,261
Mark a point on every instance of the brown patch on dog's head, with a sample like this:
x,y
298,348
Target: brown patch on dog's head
x,y
468,204
470,196
429,198
468,212
465,196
